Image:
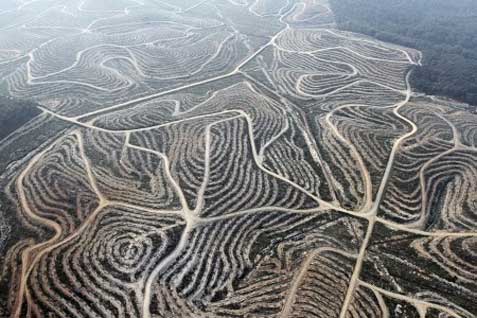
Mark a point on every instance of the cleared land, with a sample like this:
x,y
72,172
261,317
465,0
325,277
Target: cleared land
x,y
228,159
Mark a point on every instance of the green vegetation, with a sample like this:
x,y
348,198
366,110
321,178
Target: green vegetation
x,y
443,30
14,114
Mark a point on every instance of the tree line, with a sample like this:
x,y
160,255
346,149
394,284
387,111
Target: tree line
x,y
444,31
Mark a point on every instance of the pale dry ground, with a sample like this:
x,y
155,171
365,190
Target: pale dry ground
x,y
231,159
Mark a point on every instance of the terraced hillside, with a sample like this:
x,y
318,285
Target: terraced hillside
x,y
227,158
